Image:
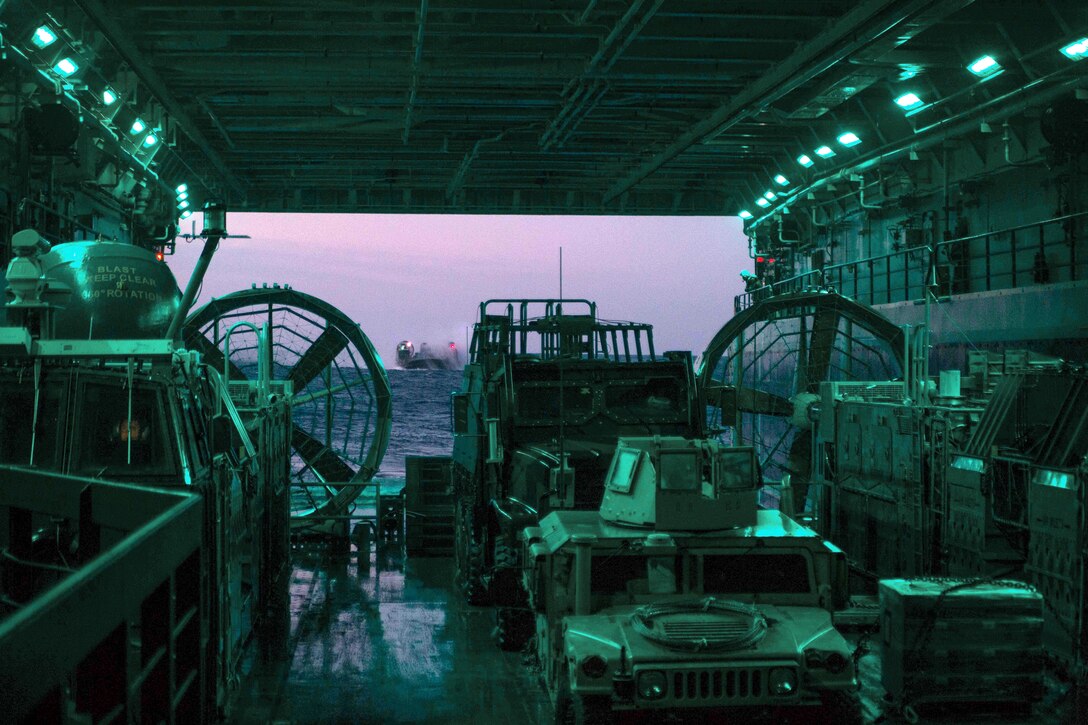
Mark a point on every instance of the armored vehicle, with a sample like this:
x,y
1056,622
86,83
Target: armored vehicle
x,y
679,593
548,391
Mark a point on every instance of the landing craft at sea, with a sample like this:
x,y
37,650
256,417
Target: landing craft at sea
x,y
446,357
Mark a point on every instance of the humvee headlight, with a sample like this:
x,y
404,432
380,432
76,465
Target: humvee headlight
x,y
651,685
782,681
835,663
594,666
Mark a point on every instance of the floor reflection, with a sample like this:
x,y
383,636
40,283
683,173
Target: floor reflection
x,y
371,638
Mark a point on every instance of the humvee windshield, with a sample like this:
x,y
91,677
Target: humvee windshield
x,y
750,573
620,574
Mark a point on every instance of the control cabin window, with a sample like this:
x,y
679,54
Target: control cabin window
x,y
17,429
543,402
756,574
106,432
678,471
663,398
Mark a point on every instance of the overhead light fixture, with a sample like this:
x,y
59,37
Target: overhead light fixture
x,y
849,139
804,160
109,96
44,37
138,126
908,71
825,152
150,140
769,195
1076,50
745,214
763,202
66,67
186,214
182,188
183,204
985,67
781,180
183,196
909,101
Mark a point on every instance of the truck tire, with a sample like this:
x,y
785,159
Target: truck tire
x,y
571,709
470,563
592,710
513,628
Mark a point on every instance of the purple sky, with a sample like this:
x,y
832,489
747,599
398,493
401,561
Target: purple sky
x,y
421,277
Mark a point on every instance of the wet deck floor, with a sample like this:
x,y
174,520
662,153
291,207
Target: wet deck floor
x,y
385,640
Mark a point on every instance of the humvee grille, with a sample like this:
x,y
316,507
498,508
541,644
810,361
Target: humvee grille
x,y
718,686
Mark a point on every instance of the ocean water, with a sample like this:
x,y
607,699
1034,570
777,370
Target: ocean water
x,y
421,419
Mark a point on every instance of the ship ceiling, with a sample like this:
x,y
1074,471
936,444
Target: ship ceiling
x,y
558,106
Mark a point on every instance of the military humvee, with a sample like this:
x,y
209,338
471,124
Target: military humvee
x,y
679,593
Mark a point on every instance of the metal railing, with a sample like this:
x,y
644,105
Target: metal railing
x,y
119,636
1028,254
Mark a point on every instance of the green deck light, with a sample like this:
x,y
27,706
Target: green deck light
x,y
763,202
985,66
825,152
769,195
908,101
186,214
781,180
745,214
1076,50
182,188
150,140
109,96
44,37
66,67
183,204
849,139
805,160
183,195
138,126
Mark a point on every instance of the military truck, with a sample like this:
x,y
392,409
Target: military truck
x,y
680,594
548,391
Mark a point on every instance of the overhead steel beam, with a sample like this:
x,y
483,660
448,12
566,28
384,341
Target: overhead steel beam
x,y
135,60
866,24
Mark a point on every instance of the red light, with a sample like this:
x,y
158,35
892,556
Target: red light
x,y
160,256
771,260
452,346
759,260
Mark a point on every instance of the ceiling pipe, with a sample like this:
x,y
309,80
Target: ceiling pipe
x,y
1042,90
417,57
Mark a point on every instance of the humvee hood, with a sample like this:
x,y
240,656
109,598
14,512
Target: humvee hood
x,y
790,630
